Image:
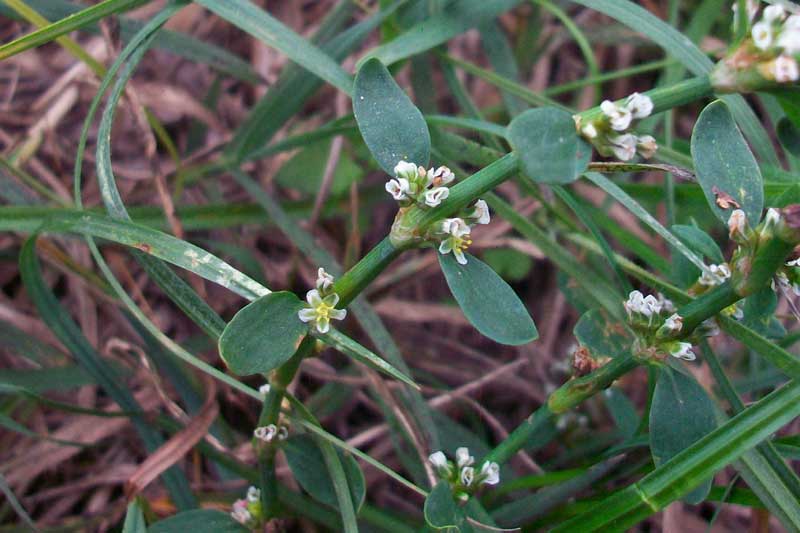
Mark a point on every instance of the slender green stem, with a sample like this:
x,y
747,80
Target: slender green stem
x,y
367,269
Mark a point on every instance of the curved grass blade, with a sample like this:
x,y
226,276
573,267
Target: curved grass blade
x,y
11,498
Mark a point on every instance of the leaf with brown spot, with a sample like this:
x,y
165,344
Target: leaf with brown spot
x,y
723,199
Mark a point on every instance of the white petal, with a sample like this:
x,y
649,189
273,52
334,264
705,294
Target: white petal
x,y
313,298
438,459
460,257
323,325
338,314
307,315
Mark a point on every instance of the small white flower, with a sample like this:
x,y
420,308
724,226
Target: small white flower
x,y
440,176
619,117
784,69
263,390
490,473
399,188
405,169
266,433
436,196
253,494
589,131
457,240
789,39
715,275
283,433
737,224
762,35
481,212
321,310
651,306
792,23
793,263
674,323
623,146
646,146
324,280
240,512
438,460
463,458
467,476
772,12
682,350
640,105
635,303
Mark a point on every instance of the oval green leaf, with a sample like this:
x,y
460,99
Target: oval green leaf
x,y
548,147
308,467
263,335
680,415
725,166
198,521
440,509
391,125
487,301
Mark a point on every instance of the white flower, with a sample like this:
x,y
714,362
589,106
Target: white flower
x,y
634,303
640,105
490,473
784,69
792,23
463,458
481,212
438,460
674,323
253,494
651,306
324,280
715,275
398,188
619,117
589,131
467,476
623,146
435,196
405,169
772,13
321,310
793,262
266,433
440,176
762,35
682,350
240,512
646,146
737,224
283,433
789,39
263,390
457,240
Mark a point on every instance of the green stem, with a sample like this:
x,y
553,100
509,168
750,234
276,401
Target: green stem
x,y
706,306
367,269
577,390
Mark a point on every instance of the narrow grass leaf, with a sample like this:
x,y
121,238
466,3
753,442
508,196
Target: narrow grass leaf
x,y
263,335
487,301
548,146
391,125
725,166
11,498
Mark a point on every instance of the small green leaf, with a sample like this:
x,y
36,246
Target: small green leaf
x,y
549,148
789,136
263,335
681,414
602,335
134,518
308,467
392,127
198,521
440,509
487,301
724,164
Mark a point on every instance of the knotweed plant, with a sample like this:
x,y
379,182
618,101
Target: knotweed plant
x,y
321,359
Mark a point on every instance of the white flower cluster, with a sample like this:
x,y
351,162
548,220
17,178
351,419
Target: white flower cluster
x,y
462,474
271,432
638,305
611,136
415,184
247,511
714,275
322,304
778,35
454,233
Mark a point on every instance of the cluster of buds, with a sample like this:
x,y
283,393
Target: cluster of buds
x,y
414,184
322,302
768,56
453,234
461,474
657,325
271,432
247,511
611,134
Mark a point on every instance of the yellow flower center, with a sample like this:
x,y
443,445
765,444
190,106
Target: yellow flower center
x,y
461,243
323,310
